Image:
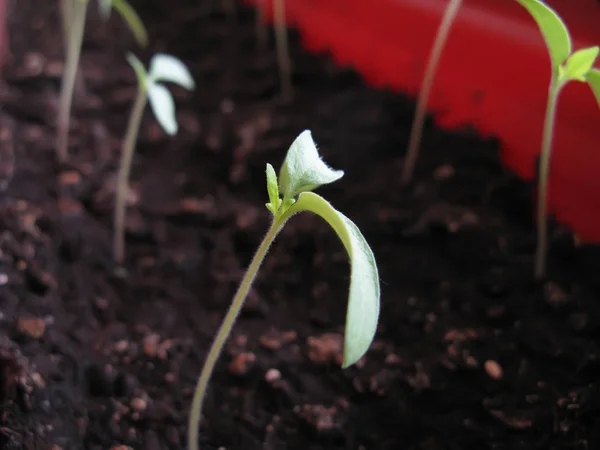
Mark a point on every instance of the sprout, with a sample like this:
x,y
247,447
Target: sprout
x,y
163,68
73,19
566,66
301,173
434,58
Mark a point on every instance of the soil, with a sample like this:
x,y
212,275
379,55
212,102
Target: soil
x,y
470,352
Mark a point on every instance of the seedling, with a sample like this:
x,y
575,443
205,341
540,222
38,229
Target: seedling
x,y
434,58
163,68
283,52
301,173
73,17
566,66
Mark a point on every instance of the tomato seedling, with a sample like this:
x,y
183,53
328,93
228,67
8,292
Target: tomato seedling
x,y
301,173
163,68
416,132
566,65
73,19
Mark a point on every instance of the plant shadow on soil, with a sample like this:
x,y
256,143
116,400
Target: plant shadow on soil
x,y
470,353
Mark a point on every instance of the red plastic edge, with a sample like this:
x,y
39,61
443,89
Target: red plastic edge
x,y
493,75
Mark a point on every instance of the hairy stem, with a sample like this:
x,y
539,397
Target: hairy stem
x,y
543,175
283,56
69,76
225,330
419,120
133,127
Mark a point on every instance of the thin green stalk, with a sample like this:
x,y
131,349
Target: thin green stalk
x,y
69,77
283,56
543,175
137,112
225,330
261,24
419,120
66,9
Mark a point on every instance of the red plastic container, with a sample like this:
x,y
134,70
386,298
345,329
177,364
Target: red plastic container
x,y
493,75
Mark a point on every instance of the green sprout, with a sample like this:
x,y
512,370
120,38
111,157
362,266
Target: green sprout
x,y
301,173
434,58
566,66
73,19
163,68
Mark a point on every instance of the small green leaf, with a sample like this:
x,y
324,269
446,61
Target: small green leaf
x,y
133,20
273,190
364,293
552,28
303,169
104,6
580,63
593,79
163,107
140,70
170,69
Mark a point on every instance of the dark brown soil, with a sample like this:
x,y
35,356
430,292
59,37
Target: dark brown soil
x,y
470,352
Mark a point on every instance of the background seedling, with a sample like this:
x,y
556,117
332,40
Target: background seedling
x,y
74,14
163,68
301,173
283,52
416,133
566,66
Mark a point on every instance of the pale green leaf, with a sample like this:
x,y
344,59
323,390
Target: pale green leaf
x,y
170,69
104,6
273,190
364,294
140,70
163,107
133,21
593,79
553,29
580,63
303,168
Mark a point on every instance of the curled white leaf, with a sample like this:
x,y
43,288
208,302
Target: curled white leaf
x,y
163,107
364,294
303,169
168,68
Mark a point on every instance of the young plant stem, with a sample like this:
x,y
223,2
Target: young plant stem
x,y
66,8
417,127
225,330
69,77
283,56
128,149
543,175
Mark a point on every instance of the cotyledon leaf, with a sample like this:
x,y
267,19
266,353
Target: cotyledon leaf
x,y
168,68
364,294
163,107
132,19
552,28
303,169
580,63
593,79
